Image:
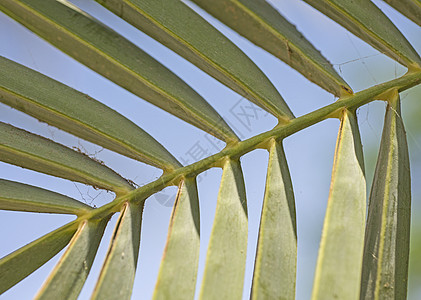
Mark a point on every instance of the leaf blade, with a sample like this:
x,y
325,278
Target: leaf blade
x,y
69,275
22,197
19,264
260,23
226,257
276,255
37,153
386,249
200,43
119,267
339,264
368,22
114,57
61,106
178,270
409,8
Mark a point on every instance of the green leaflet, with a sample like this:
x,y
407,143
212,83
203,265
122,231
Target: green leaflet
x,y
386,248
34,152
366,21
276,255
119,268
177,274
19,264
175,25
409,8
69,275
22,197
338,270
260,23
61,106
111,55
226,258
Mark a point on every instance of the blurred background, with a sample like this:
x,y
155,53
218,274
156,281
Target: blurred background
x,y
309,152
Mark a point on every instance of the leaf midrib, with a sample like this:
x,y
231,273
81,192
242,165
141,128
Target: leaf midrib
x,y
261,140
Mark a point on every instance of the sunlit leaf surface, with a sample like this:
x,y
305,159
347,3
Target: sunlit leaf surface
x,y
338,270
276,257
409,8
226,257
367,21
61,106
111,55
259,22
22,197
69,275
118,271
179,28
19,264
386,249
34,152
177,274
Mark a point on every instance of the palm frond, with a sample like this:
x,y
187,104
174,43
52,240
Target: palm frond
x,y
358,258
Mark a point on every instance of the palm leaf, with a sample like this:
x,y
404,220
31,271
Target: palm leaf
x,y
345,269
338,270
68,277
22,197
386,249
179,28
276,256
108,53
409,8
31,151
260,23
177,274
225,261
117,274
19,264
367,22
63,107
